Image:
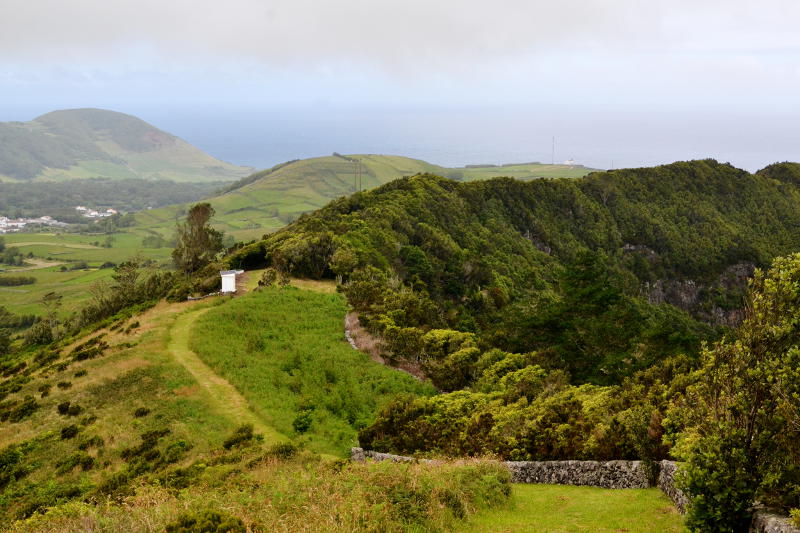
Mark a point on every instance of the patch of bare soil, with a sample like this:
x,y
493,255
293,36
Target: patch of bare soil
x,y
362,340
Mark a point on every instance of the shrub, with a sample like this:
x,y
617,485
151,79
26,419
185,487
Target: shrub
x,y
243,434
141,411
44,389
84,460
63,407
74,410
302,421
206,522
795,514
64,385
23,410
282,450
81,373
69,432
92,442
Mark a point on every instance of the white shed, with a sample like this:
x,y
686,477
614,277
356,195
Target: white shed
x,y
229,280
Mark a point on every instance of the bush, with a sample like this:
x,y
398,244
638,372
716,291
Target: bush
x,y
206,522
92,442
302,421
141,411
63,407
69,432
282,450
13,281
64,385
17,412
242,435
85,461
81,373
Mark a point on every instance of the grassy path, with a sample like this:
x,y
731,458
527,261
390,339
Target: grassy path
x,y
222,395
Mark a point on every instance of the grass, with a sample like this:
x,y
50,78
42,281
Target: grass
x,y
222,396
52,251
88,143
562,509
300,494
285,352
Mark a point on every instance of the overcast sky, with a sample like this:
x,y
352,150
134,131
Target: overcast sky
x,y
571,56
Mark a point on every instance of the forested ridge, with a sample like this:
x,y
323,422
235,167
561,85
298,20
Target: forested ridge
x,y
546,307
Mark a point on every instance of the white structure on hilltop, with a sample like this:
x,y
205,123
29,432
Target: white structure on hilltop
x,y
229,280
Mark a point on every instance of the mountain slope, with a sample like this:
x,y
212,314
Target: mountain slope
x,y
81,143
268,200
533,265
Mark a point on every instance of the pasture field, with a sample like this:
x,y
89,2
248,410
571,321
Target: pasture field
x,y
284,351
54,251
567,509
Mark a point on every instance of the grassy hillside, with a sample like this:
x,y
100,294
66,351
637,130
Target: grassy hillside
x,y
91,143
268,200
140,374
127,428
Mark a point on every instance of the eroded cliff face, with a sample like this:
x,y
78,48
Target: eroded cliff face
x,y
719,303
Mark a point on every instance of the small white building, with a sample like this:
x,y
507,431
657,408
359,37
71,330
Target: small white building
x,y
229,280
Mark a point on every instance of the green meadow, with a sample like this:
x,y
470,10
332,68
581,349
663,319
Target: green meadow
x,y
284,351
567,509
54,252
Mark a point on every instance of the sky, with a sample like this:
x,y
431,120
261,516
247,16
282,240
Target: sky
x,y
462,81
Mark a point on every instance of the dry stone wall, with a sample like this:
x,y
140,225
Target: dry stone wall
x,y
605,474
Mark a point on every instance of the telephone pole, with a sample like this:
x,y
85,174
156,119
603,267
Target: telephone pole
x,y
357,176
553,153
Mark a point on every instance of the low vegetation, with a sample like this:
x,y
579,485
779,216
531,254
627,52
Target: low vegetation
x,y
284,350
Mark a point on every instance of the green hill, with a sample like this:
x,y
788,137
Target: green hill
x,y
502,258
88,143
268,200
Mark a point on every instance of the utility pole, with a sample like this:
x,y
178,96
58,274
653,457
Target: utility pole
x,y
553,153
357,176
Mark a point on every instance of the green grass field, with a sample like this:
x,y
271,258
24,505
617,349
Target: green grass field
x,y
52,251
566,509
284,350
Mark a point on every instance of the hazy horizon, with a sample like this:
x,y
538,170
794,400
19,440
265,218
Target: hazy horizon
x,y
450,82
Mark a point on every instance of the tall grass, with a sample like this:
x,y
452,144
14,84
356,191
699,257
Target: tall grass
x,y
284,350
302,494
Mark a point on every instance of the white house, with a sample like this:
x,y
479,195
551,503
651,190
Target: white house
x,y
229,280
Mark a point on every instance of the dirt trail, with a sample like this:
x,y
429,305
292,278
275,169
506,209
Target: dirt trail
x,y
224,396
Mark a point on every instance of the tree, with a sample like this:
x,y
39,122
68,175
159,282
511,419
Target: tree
x,y
747,410
198,243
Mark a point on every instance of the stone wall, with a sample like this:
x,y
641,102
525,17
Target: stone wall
x,y
666,482
770,523
605,474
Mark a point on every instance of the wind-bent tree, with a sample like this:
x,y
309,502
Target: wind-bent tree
x,y
198,243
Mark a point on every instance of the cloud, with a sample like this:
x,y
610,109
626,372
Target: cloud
x,y
393,35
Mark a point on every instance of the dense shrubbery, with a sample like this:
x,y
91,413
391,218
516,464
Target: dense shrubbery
x,y
744,411
13,281
562,267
